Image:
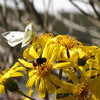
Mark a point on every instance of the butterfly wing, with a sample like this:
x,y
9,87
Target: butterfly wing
x,y
29,34
13,37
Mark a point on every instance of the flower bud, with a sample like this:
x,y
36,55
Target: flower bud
x,y
11,85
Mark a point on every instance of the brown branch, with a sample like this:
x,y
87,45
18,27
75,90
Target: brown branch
x,y
33,12
46,16
82,10
4,15
17,11
95,22
92,5
97,2
76,26
82,1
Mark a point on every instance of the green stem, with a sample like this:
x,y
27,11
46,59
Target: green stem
x,y
47,96
60,76
22,93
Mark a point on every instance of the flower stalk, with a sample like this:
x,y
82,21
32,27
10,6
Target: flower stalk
x,y
23,94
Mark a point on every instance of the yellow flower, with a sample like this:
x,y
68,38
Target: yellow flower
x,y
72,62
7,74
38,44
41,40
94,64
66,44
41,70
83,88
91,59
96,61
82,56
67,41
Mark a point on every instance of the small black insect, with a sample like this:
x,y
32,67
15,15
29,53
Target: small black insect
x,y
39,61
68,53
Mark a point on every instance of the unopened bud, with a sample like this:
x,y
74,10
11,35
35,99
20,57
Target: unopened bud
x,y
11,85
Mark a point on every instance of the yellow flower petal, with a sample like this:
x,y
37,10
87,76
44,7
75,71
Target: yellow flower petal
x,y
53,53
26,64
16,74
42,88
33,53
50,52
63,65
26,55
2,89
61,83
62,53
31,81
20,69
15,65
72,76
93,72
31,72
94,97
37,83
44,54
84,76
30,92
95,87
62,90
50,87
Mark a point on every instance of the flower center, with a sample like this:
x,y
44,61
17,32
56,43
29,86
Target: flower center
x,y
81,91
43,37
44,69
67,41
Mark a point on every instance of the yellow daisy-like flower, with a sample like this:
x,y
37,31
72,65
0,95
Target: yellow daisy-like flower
x,y
41,39
38,43
41,70
6,77
72,62
82,89
95,62
82,56
66,43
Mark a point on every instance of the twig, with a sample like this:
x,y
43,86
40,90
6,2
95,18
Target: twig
x,y
47,96
76,26
97,2
17,10
82,1
33,12
46,15
82,10
3,14
92,5
95,22
60,76
7,96
23,94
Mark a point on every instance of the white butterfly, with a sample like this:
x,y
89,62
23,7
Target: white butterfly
x,y
16,37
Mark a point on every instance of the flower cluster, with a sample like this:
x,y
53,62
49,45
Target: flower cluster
x,y
47,54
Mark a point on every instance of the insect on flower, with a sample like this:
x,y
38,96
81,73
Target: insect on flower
x,y
68,53
39,61
16,37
